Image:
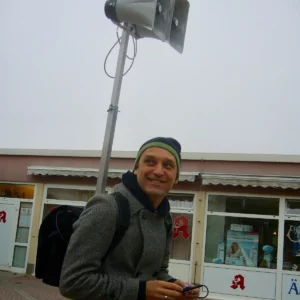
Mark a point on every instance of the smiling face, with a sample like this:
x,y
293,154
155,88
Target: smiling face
x,y
156,173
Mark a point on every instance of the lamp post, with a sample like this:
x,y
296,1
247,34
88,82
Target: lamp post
x,y
164,20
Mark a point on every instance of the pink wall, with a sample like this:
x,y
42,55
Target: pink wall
x,y
14,168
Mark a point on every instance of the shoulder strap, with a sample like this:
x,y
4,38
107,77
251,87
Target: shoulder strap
x,y
123,221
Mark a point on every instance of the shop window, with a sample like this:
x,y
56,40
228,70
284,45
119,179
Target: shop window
x,y
239,240
291,247
243,205
24,221
8,190
291,250
292,207
47,209
69,194
19,257
182,236
181,201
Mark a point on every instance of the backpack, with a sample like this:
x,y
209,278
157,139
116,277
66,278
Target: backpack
x,y
56,230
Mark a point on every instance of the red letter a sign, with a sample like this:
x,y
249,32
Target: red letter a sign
x,y
181,225
2,216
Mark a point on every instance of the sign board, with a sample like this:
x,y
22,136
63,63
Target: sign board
x,y
8,223
290,287
238,282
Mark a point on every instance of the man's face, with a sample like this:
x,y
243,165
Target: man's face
x,y
156,173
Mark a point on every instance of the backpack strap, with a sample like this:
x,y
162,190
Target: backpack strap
x,y
168,224
122,223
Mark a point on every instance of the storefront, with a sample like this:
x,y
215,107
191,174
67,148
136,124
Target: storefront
x,y
252,246
16,210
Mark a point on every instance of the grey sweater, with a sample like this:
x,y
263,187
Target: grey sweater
x,y
143,253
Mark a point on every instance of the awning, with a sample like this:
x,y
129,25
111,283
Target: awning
x,y
88,172
284,182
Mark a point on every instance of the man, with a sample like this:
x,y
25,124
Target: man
x,y
138,267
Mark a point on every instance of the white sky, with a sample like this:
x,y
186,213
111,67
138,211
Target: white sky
x,y
235,88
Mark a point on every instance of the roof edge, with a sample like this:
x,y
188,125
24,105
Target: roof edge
x,y
242,157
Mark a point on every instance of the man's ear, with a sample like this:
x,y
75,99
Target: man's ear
x,y
176,181
135,169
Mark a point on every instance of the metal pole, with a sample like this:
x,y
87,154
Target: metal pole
x,y
112,115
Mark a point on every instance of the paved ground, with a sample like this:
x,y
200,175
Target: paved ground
x,y
18,287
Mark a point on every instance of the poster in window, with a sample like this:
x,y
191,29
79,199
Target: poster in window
x,y
294,236
25,217
242,248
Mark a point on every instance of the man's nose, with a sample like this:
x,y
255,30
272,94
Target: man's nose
x,y
158,171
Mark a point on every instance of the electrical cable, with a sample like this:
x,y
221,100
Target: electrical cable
x,y
205,290
134,40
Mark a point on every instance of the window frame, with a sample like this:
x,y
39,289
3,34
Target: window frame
x,y
288,217
46,201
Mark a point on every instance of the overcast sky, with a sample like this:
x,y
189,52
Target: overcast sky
x,y
236,87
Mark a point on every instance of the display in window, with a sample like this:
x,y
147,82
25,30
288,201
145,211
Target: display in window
x,y
242,248
241,241
291,251
268,257
16,191
294,236
220,254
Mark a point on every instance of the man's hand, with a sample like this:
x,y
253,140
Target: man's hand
x,y
191,294
156,289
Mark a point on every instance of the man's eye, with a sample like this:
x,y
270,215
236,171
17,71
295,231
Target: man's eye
x,y
149,161
168,166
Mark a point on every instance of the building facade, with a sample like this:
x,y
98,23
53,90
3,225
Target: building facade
x,y
236,217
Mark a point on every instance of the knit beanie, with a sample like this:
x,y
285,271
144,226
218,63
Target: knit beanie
x,y
166,143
